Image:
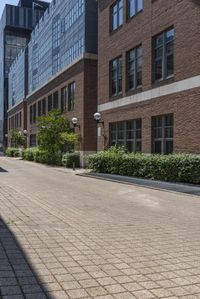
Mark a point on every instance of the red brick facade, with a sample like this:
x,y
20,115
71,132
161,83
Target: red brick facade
x,y
184,104
84,74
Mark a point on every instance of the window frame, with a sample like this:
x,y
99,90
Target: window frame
x,y
164,55
135,139
163,139
128,71
128,16
118,91
117,4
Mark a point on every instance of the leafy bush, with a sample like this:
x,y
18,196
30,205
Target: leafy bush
x,y
69,158
28,154
174,168
12,152
41,156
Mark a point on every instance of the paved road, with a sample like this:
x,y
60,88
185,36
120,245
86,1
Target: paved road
x,y
65,236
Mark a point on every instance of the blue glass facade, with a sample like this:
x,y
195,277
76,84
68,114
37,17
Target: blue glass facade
x,y
16,24
67,30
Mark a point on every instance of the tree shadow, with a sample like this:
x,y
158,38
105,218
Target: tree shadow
x,y
18,279
3,170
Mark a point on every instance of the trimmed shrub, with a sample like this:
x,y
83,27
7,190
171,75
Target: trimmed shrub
x,y
29,153
183,168
41,156
12,152
69,158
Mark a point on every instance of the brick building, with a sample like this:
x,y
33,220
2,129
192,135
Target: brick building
x,y
58,70
149,75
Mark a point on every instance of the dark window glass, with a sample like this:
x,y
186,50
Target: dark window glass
x,y
134,70
50,102
71,96
134,6
34,113
44,107
33,141
117,15
162,133
39,108
55,100
164,55
20,119
127,134
31,114
64,99
116,76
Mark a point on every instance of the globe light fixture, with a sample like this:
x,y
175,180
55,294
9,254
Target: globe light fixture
x,y
97,118
75,122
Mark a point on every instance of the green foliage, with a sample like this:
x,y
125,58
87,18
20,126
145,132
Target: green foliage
x,y
54,134
12,152
18,137
174,168
70,158
41,156
29,154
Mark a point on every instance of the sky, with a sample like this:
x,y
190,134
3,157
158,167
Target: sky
x,y
14,2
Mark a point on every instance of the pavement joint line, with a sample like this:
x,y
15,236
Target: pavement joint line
x,y
103,178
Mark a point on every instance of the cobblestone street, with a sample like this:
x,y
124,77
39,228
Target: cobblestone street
x,y
66,236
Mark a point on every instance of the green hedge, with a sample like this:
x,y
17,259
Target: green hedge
x,y
173,168
69,159
41,156
12,152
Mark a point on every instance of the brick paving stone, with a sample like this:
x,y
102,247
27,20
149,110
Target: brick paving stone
x,y
108,241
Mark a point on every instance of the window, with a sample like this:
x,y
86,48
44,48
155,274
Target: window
x,y
71,96
127,134
34,113
31,114
44,107
39,108
33,141
162,133
64,98
50,102
55,100
134,6
164,55
134,69
116,76
117,15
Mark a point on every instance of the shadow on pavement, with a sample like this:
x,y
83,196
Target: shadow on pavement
x,y
3,170
18,279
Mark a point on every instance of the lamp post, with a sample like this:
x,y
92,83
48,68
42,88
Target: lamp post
x,y
75,122
25,135
98,119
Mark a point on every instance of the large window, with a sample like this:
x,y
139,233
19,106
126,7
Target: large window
x,y
134,6
116,76
127,134
64,98
71,96
134,68
116,15
55,100
50,102
44,106
164,55
162,133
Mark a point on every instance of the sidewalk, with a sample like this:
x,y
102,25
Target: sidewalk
x,y
160,185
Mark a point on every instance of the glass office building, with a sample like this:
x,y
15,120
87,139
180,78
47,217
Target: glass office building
x,y
67,30
16,24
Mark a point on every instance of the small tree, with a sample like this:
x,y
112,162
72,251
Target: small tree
x,y
54,134
18,137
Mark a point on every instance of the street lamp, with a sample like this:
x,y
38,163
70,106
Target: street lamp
x,y
97,118
75,122
25,132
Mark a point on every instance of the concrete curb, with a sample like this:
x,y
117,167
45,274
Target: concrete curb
x,y
187,189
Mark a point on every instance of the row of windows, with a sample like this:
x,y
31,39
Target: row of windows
x,y
15,122
129,134
66,102
117,12
163,64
